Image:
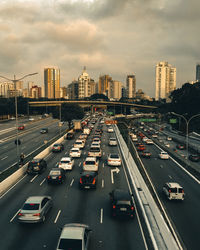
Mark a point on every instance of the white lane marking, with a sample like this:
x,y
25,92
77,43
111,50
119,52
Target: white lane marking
x,y
42,181
57,216
102,184
34,178
170,176
101,219
5,147
112,179
103,165
79,164
72,182
14,216
4,158
12,187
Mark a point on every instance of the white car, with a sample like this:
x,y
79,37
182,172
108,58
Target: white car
x,y
95,144
173,191
75,153
91,164
144,139
164,155
169,138
149,141
112,142
110,129
154,135
114,160
96,140
79,144
66,163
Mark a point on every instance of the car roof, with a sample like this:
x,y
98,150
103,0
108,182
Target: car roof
x,y
90,159
73,231
173,185
35,199
77,149
120,194
65,159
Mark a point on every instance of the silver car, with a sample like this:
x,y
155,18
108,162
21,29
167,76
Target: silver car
x,y
35,209
74,236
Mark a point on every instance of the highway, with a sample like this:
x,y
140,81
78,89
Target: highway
x,y
30,138
184,215
70,205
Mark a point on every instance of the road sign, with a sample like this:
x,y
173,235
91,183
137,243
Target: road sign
x,y
111,122
147,120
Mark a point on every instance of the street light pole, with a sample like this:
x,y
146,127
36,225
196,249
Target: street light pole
x,y
187,128
16,109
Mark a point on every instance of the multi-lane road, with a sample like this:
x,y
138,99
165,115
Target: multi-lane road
x,y
71,204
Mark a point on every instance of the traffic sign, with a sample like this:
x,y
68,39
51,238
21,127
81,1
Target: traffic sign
x,y
111,122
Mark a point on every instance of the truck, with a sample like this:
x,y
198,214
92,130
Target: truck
x,y
86,131
77,125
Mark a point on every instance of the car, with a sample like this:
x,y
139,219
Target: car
x,y
112,142
141,147
36,166
169,138
95,152
44,131
121,203
79,144
146,154
194,158
154,135
144,139
74,236
110,129
95,144
66,163
58,147
91,164
96,140
149,142
180,146
31,119
69,136
75,153
56,175
173,191
35,209
163,155
88,180
114,160
21,127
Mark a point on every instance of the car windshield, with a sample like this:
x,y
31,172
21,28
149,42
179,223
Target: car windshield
x,y
78,142
66,161
114,156
55,172
94,149
90,162
72,244
74,150
123,202
31,206
112,139
56,145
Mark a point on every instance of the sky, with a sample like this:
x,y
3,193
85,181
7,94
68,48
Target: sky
x,y
115,37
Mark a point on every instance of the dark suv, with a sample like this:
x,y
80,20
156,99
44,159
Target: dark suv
x,y
69,136
88,180
121,203
36,166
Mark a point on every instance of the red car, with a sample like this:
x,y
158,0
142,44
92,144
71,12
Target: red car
x,y
146,154
141,147
21,127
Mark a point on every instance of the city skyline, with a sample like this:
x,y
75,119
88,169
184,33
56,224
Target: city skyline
x,y
118,38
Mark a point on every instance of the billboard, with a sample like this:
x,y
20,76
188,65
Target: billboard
x,y
147,120
173,121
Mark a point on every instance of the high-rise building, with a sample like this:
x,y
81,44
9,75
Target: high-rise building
x,y
86,85
131,86
114,90
35,92
103,84
198,72
52,83
72,90
165,80
5,87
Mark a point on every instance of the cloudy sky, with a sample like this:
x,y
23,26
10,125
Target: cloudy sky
x,y
115,37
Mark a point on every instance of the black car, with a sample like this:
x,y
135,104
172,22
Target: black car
x,y
180,146
58,147
194,158
56,175
70,136
36,166
88,180
121,203
44,131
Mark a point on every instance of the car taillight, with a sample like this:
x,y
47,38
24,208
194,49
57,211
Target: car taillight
x,y
20,214
132,207
38,214
169,190
93,181
182,191
59,176
89,154
81,181
114,206
48,177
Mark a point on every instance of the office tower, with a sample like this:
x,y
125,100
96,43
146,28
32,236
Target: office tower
x,y
35,92
165,80
86,85
103,84
5,87
131,86
114,90
198,72
72,90
52,83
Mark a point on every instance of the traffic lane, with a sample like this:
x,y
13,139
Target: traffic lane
x,y
184,214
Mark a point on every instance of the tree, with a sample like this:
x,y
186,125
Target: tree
x,y
99,96
69,112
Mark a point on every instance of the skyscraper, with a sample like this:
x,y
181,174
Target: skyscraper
x,y
52,82
103,84
86,85
165,80
198,72
114,90
131,86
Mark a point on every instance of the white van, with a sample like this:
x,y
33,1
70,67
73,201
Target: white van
x,y
173,191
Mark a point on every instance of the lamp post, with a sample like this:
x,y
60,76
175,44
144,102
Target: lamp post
x,y
16,112
187,127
